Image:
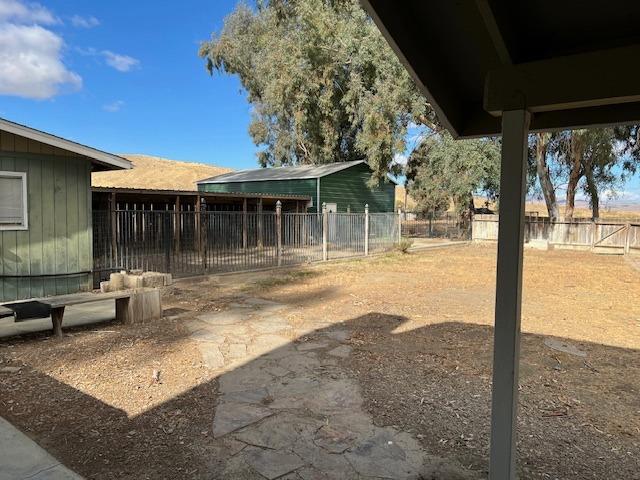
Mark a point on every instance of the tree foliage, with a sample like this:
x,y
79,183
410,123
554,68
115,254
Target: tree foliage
x,y
443,170
323,83
584,160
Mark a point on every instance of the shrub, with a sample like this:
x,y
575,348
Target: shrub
x,y
404,245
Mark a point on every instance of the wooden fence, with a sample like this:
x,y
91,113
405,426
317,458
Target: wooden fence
x,y
602,236
190,243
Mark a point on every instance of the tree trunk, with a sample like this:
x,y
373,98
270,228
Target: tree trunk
x,y
472,207
575,164
592,189
544,177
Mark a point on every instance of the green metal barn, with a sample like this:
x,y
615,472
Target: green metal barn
x,y
45,212
343,186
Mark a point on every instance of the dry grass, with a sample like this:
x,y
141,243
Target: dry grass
x,y
157,173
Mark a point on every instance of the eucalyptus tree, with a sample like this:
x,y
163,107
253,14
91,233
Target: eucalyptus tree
x,y
323,83
443,170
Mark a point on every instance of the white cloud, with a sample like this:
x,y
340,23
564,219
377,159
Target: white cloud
x,y
113,106
31,62
30,13
122,63
84,22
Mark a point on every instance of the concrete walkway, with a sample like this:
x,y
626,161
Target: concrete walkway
x,y
287,408
75,315
21,458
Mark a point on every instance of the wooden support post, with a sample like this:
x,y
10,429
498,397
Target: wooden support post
x,y
57,314
260,223
627,239
279,231
399,225
244,223
114,227
177,224
325,232
506,348
366,229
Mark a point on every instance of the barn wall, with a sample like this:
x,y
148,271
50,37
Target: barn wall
x,y
349,188
59,238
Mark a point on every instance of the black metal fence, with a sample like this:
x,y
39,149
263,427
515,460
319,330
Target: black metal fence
x,y
430,225
189,243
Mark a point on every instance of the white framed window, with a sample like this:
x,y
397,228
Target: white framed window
x,y
13,201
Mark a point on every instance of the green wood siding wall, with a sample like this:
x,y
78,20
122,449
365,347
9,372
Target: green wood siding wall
x,y
346,188
350,188
59,238
291,187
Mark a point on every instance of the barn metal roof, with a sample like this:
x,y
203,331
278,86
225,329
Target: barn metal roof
x,y
571,63
299,172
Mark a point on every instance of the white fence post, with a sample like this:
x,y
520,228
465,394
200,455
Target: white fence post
x,y
366,229
279,231
325,232
399,225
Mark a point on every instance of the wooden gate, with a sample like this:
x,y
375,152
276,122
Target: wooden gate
x,y
610,238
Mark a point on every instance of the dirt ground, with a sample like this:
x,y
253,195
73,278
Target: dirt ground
x,y
422,354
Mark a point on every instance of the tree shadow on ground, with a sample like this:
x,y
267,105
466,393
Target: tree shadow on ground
x,y
302,409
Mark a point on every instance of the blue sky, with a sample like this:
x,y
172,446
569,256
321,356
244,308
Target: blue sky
x,y
124,76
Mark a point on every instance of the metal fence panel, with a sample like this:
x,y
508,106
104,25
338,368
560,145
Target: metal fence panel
x,y
345,235
190,243
383,231
301,238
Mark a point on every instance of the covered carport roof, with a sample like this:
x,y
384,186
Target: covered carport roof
x,y
573,63
493,67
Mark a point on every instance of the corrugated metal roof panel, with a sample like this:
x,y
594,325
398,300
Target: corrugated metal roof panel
x,y
281,173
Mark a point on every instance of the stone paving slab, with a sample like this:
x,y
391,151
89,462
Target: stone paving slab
x,y
306,346
230,417
271,463
281,431
343,351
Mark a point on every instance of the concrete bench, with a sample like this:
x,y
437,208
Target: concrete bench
x,y
132,306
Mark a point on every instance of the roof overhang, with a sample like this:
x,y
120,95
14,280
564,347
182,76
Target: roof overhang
x,y
196,193
106,161
573,64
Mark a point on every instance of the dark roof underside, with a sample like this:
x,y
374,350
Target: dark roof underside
x,y
459,50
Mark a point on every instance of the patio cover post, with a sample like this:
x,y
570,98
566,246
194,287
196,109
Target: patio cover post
x,y
506,349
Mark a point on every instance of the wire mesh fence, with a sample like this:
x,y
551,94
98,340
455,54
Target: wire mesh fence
x,y
189,243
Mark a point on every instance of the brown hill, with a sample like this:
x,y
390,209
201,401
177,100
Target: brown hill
x,y
157,173
400,199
